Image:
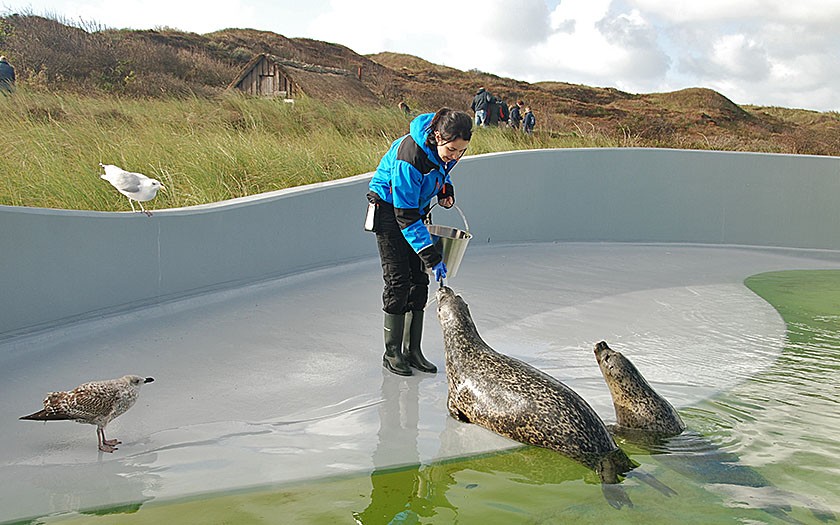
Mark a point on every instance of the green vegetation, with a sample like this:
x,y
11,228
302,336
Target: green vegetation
x,y
202,149
155,101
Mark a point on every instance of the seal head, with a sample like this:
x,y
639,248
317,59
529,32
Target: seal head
x,y
637,405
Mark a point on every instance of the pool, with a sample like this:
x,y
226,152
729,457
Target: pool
x,y
270,404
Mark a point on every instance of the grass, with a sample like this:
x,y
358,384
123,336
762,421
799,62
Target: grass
x,y
202,150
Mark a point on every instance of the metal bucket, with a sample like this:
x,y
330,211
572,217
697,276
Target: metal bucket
x,y
452,242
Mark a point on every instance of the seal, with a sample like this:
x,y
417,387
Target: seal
x,y
516,400
638,407
646,418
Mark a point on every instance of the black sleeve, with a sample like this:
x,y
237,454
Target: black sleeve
x,y
447,191
430,255
406,216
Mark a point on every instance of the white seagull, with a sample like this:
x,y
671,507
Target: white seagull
x,y
135,186
95,403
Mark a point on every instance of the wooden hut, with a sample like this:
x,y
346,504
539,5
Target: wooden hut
x,y
265,77
269,76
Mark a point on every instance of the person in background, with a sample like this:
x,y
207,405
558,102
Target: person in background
x,y
413,172
504,112
479,105
405,109
515,115
529,121
7,75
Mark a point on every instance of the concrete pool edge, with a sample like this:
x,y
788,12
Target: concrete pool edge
x,y
69,265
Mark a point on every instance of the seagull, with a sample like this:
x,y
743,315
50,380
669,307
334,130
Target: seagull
x,y
95,403
135,186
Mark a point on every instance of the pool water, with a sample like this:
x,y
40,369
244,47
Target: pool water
x,y
766,422
778,427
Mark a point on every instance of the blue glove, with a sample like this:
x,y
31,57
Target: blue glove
x,y
440,271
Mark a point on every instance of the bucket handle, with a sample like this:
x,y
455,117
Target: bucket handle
x,y
466,226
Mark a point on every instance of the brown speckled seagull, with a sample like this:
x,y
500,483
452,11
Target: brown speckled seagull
x,y
95,403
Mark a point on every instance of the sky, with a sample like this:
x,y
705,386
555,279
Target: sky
x,y
763,52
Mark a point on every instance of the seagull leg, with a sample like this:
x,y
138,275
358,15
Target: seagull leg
x,y
132,205
148,213
105,445
110,441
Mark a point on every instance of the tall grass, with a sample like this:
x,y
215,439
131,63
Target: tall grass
x,y
202,150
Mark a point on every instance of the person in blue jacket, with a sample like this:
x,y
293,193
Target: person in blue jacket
x,y
413,172
528,121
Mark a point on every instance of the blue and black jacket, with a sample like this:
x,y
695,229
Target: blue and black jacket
x,y
408,177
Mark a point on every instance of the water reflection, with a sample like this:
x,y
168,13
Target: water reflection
x,y
412,491
399,494
80,487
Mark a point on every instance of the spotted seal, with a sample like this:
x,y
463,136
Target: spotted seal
x,y
646,418
518,401
638,407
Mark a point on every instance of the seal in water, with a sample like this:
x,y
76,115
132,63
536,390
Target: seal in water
x,y
515,400
646,418
638,407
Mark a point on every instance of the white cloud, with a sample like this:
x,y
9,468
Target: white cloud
x,y
576,45
512,23
593,43
736,57
692,11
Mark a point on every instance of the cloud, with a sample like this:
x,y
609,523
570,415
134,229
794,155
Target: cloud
x,y
592,42
515,24
819,12
735,57
753,51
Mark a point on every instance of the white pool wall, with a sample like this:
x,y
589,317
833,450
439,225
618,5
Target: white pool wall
x,y
60,265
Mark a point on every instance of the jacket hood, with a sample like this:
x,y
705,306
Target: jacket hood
x,y
419,131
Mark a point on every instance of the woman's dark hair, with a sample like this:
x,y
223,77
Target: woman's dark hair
x,y
451,124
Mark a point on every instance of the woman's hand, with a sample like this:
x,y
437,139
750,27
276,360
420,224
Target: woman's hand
x,y
447,202
440,271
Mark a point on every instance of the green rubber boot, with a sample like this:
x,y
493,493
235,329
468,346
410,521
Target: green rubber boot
x,y
411,345
393,359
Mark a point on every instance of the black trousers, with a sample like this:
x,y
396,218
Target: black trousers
x,y
406,280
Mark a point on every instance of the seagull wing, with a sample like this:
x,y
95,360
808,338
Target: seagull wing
x,y
54,408
128,182
92,401
76,404
110,170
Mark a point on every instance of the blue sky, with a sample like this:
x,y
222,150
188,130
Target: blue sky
x,y
764,52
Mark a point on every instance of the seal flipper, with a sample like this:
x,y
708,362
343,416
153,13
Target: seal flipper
x,y
455,412
610,468
616,496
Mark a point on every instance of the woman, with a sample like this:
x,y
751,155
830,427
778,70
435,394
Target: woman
x,y
415,169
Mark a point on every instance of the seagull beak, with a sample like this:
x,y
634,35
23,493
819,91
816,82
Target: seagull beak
x,y
163,187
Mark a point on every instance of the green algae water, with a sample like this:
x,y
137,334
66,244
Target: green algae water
x,y
763,452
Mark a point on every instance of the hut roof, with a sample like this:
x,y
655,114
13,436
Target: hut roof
x,y
319,82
